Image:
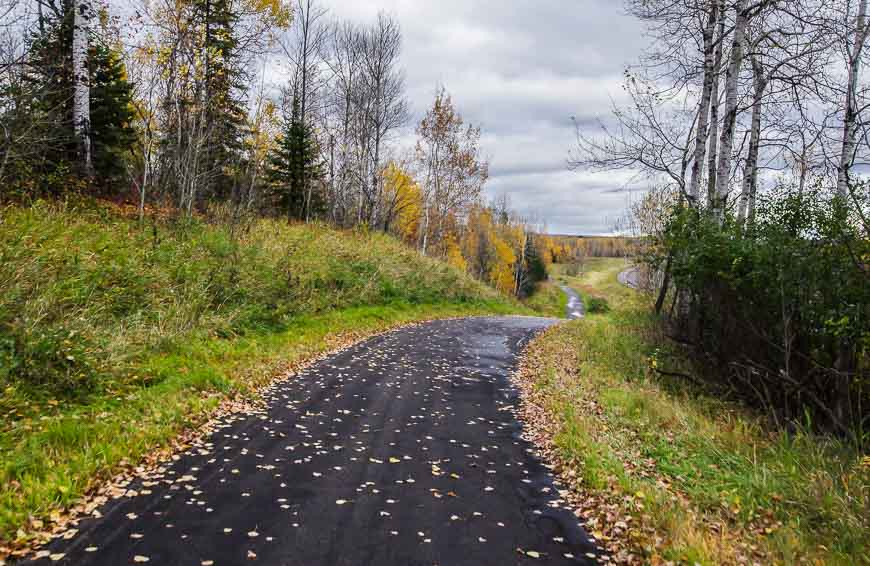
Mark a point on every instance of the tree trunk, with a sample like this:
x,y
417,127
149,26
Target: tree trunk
x,y
82,90
40,17
144,188
750,174
663,291
521,265
303,100
704,106
802,183
425,229
726,140
850,121
8,144
712,153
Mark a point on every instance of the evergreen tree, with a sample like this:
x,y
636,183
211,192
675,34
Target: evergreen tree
x,y
47,96
535,267
224,105
112,132
296,171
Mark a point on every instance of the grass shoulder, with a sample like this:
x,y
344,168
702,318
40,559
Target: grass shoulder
x,y
668,472
548,300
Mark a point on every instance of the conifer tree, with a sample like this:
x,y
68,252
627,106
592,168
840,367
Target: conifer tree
x,y
296,170
50,100
222,98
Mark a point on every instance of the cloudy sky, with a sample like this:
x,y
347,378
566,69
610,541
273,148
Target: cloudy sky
x,y
521,69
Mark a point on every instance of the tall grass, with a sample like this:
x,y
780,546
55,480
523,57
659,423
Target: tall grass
x,y
84,293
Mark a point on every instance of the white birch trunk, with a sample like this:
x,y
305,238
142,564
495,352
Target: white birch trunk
x,y
704,106
726,140
712,153
81,83
425,243
750,174
850,121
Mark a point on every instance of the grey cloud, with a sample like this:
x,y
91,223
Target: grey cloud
x,y
522,70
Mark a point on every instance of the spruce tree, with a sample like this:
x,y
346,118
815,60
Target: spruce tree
x,y
296,171
112,133
48,97
224,105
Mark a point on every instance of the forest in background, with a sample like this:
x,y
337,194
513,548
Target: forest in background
x,y
166,106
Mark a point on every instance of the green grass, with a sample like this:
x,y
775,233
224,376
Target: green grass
x,y
703,480
548,300
598,278
114,339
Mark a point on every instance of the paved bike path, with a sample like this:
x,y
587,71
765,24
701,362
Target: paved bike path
x,y
401,450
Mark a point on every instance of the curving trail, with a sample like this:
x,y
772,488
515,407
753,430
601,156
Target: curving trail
x,y
575,308
401,450
630,278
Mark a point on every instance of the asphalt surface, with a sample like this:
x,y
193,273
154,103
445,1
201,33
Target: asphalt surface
x,y
630,278
575,308
402,450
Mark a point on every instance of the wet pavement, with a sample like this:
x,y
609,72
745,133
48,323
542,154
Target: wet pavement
x,y
575,308
401,450
630,277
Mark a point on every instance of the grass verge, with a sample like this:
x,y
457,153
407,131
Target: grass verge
x,y
116,339
548,300
666,473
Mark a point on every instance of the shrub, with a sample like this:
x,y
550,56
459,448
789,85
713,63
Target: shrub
x,y
781,306
596,304
573,269
50,362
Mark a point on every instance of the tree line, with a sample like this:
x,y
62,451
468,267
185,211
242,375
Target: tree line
x,y
250,107
748,119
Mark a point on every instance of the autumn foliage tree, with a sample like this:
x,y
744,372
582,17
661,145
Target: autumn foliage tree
x,y
453,170
403,203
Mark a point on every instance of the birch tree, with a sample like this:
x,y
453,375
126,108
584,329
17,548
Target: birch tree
x,y
343,61
452,169
83,12
384,105
726,139
713,133
854,52
704,106
785,53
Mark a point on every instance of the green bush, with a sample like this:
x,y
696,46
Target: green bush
x,y
596,304
783,305
50,362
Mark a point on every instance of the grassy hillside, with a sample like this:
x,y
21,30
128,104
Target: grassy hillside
x,y
668,472
114,338
548,300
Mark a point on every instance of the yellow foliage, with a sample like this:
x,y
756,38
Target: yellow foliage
x,y
454,254
403,195
501,273
278,11
264,130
